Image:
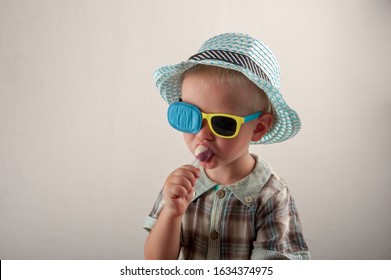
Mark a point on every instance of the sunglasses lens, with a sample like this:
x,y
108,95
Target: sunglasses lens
x,y
224,126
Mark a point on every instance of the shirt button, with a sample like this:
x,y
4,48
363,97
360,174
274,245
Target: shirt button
x,y
248,199
214,235
220,193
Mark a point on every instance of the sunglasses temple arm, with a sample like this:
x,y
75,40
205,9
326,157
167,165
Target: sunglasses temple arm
x,y
252,117
196,163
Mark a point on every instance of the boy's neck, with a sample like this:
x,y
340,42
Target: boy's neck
x,y
233,172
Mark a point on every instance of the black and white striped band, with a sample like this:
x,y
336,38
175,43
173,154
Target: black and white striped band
x,y
234,58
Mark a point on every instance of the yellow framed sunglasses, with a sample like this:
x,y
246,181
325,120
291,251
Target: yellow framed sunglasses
x,y
188,118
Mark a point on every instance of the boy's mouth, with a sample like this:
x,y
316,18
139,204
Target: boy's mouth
x,y
203,153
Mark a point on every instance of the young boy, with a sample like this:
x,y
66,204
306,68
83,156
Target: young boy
x,y
229,204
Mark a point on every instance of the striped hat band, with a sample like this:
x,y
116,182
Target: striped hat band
x,y
234,58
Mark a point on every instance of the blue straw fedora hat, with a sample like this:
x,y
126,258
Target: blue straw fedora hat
x,y
248,56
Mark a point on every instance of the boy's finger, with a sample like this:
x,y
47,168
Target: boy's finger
x,y
190,195
183,181
177,191
195,170
190,172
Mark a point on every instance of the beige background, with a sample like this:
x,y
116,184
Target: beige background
x,y
85,146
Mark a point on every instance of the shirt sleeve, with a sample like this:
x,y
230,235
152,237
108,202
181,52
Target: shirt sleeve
x,y
279,231
150,220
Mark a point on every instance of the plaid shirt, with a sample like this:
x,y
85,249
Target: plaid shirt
x,y
255,218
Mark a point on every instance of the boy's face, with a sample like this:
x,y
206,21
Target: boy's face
x,y
215,96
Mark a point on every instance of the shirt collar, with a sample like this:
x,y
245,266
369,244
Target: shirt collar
x,y
245,190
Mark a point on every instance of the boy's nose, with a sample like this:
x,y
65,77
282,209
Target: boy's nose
x,y
205,133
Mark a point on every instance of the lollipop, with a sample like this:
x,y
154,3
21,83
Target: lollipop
x,y
202,153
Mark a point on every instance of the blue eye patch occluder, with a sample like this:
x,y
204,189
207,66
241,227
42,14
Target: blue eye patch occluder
x,y
185,117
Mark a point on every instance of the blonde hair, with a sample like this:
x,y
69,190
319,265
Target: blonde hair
x,y
258,102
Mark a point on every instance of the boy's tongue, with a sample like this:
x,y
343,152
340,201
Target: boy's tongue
x,y
202,153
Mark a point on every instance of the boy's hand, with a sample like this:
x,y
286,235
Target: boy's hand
x,y
179,189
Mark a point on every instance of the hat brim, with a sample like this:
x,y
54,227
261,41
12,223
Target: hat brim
x,y
286,123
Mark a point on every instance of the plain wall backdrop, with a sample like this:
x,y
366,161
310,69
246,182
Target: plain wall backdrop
x,y
84,142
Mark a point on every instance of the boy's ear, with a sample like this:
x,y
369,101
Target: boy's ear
x,y
264,123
